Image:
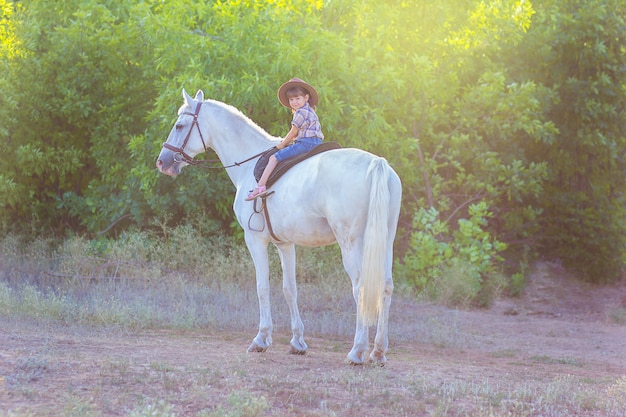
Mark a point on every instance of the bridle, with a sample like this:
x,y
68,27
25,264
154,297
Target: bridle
x,y
180,151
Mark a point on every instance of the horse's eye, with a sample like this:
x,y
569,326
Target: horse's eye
x,y
179,126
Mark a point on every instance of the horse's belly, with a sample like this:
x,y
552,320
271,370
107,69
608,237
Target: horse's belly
x,y
307,232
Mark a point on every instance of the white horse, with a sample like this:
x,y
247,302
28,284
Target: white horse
x,y
347,196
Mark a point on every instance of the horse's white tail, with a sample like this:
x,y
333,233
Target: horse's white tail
x,y
375,243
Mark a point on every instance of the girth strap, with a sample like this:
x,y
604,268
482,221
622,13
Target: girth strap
x,y
266,213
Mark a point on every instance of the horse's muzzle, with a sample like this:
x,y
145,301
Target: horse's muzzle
x,y
172,169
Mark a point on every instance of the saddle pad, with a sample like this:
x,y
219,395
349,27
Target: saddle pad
x,y
284,166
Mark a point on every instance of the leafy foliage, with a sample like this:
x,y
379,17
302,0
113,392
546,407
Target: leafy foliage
x,y
506,111
584,64
436,249
77,91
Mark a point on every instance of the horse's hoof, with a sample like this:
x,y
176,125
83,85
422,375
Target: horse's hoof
x,y
354,360
357,355
297,346
256,348
294,351
378,363
378,358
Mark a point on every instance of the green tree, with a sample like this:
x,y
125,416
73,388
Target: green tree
x,y
239,53
507,108
78,91
577,48
440,104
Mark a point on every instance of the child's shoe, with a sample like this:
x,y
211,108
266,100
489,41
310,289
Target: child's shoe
x,y
259,191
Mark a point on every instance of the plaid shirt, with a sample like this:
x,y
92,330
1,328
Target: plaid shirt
x,y
307,123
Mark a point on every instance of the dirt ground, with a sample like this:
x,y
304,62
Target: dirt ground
x,y
527,356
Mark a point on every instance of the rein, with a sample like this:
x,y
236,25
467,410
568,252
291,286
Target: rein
x,y
180,152
201,162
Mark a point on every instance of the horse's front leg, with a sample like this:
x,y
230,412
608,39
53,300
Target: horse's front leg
x,y
258,250
287,254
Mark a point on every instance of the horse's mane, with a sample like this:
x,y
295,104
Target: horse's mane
x,y
242,122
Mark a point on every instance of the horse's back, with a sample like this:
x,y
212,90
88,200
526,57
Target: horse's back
x,y
327,197
348,173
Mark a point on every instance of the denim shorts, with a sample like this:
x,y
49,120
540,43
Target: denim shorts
x,y
300,146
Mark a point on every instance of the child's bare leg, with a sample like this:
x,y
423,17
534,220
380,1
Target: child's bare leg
x,y
269,168
260,188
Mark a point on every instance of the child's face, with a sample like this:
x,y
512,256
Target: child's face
x,y
298,102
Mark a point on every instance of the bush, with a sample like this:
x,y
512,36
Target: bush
x,y
458,272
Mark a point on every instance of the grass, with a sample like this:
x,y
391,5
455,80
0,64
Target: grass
x,y
141,281
544,359
29,369
345,392
616,315
188,281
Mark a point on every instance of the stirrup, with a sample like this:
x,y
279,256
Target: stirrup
x,y
257,192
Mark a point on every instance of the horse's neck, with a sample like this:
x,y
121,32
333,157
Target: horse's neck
x,y
235,138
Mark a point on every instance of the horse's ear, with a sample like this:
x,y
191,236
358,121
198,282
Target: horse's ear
x,y
200,95
187,97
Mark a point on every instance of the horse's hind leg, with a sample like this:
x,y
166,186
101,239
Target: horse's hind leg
x,y
381,342
352,264
358,353
287,254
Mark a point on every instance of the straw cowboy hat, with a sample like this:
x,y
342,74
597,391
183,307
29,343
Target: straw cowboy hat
x,y
296,82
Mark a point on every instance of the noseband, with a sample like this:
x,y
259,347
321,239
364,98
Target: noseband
x,y
181,150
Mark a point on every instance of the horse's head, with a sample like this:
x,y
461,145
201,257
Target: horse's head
x,y
185,139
